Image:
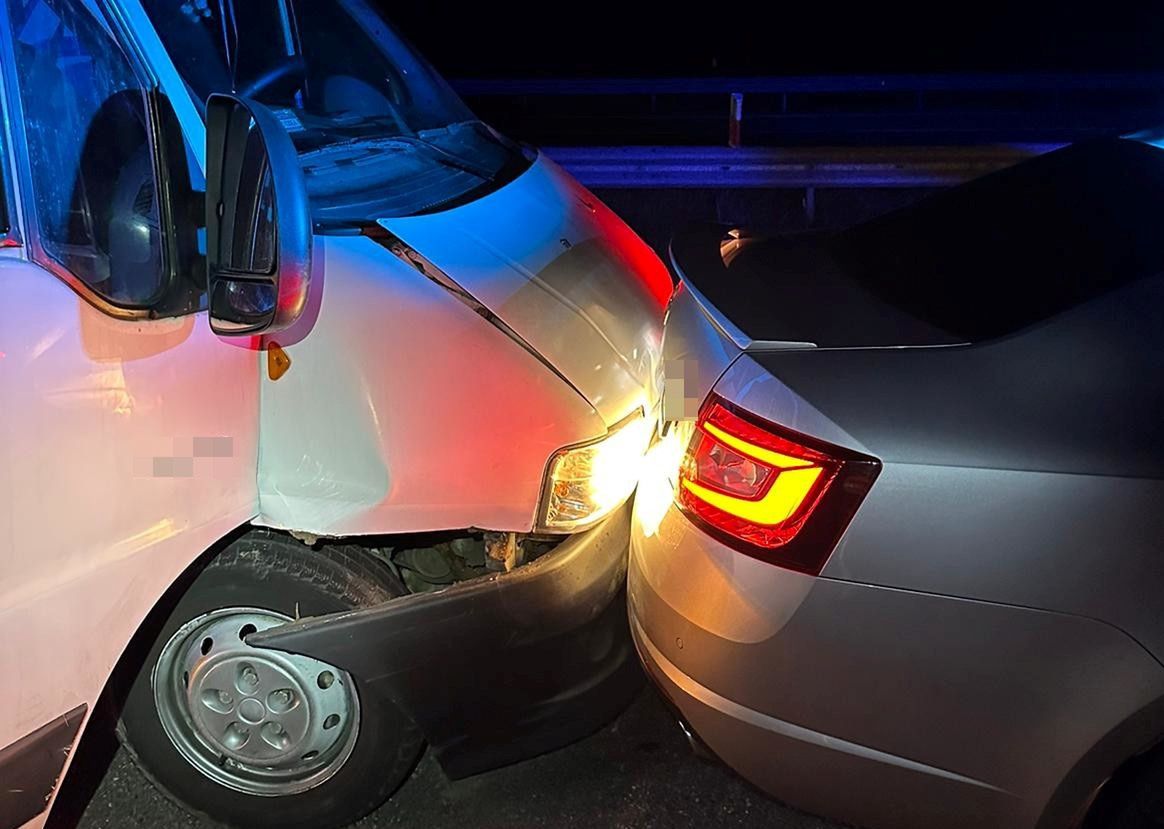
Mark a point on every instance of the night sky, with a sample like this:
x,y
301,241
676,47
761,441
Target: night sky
x,y
603,38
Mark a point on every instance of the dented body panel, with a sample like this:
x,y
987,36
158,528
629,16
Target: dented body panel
x,y
357,439
563,271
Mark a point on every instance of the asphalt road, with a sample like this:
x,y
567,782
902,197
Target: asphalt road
x,y
637,772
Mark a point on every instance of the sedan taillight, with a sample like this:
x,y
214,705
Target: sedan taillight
x,y
768,491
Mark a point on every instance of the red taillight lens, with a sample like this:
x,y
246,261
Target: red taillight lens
x,y
770,492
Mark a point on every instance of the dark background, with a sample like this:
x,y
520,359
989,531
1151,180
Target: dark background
x,y
1050,68
603,38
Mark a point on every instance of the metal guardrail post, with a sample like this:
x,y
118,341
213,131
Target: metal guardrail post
x,y
735,116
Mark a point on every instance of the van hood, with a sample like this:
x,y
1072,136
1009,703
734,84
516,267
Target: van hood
x,y
566,274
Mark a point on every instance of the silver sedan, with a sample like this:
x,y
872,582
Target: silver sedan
x,y
897,557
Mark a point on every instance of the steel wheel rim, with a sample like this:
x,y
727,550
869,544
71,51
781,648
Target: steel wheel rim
x,y
257,721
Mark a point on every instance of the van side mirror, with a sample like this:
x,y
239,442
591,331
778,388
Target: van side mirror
x,y
258,221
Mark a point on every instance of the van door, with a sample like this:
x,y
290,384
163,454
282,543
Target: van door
x,y
127,429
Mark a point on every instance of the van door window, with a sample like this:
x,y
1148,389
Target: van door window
x,y
95,189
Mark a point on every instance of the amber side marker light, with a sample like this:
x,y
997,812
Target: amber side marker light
x,y
768,491
278,361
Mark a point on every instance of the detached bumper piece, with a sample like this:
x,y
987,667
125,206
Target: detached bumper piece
x,y
31,767
501,668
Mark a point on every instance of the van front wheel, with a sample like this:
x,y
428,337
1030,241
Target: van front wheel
x,y
253,737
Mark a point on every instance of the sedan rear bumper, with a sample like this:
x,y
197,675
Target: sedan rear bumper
x,y
878,706
809,768
500,668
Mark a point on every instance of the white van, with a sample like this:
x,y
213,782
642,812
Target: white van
x,y
320,403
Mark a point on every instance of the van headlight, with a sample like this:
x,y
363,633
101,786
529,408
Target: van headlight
x,y
587,482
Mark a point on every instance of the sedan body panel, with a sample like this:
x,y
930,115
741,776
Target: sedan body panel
x,y
831,695
696,352
974,502
1068,395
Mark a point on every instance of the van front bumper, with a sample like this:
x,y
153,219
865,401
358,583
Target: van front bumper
x,y
500,668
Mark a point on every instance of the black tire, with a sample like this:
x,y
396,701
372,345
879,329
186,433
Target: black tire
x,y
271,571
1134,798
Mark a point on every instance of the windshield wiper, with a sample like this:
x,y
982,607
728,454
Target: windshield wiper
x,y
478,126
356,123
440,155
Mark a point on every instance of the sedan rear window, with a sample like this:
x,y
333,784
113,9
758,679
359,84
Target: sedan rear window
x,y
1019,246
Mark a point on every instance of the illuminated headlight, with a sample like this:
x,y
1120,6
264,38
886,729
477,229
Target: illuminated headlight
x,y
586,483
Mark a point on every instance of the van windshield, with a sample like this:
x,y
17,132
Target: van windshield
x,y
379,132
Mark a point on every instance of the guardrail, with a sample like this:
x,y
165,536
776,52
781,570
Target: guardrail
x,y
786,167
842,109
792,84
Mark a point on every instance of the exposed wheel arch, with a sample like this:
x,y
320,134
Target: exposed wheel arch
x,y
216,725
1119,752
98,743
